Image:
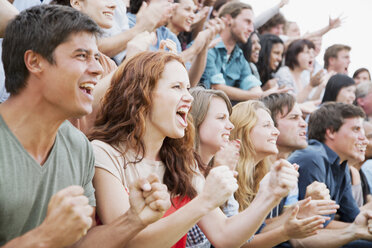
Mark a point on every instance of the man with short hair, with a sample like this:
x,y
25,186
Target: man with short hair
x,y
51,66
337,58
363,96
335,135
226,68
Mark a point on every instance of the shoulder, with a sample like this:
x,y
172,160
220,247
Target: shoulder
x,y
314,154
72,137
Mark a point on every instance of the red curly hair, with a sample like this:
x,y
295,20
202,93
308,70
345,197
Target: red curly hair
x,y
121,119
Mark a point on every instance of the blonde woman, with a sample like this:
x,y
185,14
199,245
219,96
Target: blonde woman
x,y
255,128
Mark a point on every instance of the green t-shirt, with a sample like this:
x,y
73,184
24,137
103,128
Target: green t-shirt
x,y
26,187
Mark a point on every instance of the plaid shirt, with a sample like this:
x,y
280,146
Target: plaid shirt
x,y
197,239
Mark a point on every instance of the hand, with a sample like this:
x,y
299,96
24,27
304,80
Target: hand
x,y
201,15
317,78
297,229
277,89
272,83
141,42
220,184
362,226
68,217
335,23
309,207
170,44
309,106
280,180
317,191
149,17
228,155
149,199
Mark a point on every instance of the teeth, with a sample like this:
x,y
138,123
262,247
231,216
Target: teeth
x,y
183,110
272,141
89,86
225,137
108,14
361,147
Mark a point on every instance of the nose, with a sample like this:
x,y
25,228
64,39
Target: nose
x,y
111,5
95,67
187,97
229,125
275,132
303,123
250,28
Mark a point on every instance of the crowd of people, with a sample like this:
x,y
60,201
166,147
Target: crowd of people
x,y
150,123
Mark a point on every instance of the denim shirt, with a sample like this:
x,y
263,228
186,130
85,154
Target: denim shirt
x,y
233,71
162,33
320,163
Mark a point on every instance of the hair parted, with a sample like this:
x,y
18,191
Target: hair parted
x,y
334,86
121,121
244,117
296,47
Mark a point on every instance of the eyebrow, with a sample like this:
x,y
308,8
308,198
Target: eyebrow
x,y
98,54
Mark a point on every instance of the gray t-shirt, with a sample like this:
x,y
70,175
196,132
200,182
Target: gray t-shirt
x,y
26,187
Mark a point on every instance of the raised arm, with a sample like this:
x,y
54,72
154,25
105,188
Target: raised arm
x,y
7,13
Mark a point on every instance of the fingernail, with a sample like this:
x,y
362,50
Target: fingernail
x,y
146,187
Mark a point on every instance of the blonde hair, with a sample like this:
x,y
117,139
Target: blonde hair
x,y
244,118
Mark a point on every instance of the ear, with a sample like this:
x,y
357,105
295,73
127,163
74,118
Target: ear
x,y
331,60
329,134
76,4
228,20
34,62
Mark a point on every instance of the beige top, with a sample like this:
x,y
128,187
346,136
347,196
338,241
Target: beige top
x,y
108,158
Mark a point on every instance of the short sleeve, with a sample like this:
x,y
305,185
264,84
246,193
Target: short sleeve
x,y
88,185
107,158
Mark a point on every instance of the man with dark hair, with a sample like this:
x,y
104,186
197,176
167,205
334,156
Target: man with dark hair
x,y
337,58
287,117
335,135
51,66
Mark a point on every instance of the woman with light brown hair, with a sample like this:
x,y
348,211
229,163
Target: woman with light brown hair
x,y
144,128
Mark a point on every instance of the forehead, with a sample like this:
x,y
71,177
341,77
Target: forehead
x,y
277,47
245,14
187,3
353,122
294,111
263,115
174,72
217,104
343,52
80,40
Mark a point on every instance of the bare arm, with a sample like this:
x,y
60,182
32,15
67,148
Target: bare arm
x,y
7,13
237,94
147,20
361,228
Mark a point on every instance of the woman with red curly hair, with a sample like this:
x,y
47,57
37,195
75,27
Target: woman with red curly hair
x,y
144,128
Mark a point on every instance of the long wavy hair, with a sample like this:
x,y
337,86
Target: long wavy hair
x,y
121,120
244,118
267,42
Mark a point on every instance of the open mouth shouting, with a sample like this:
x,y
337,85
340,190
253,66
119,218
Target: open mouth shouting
x,y
182,115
